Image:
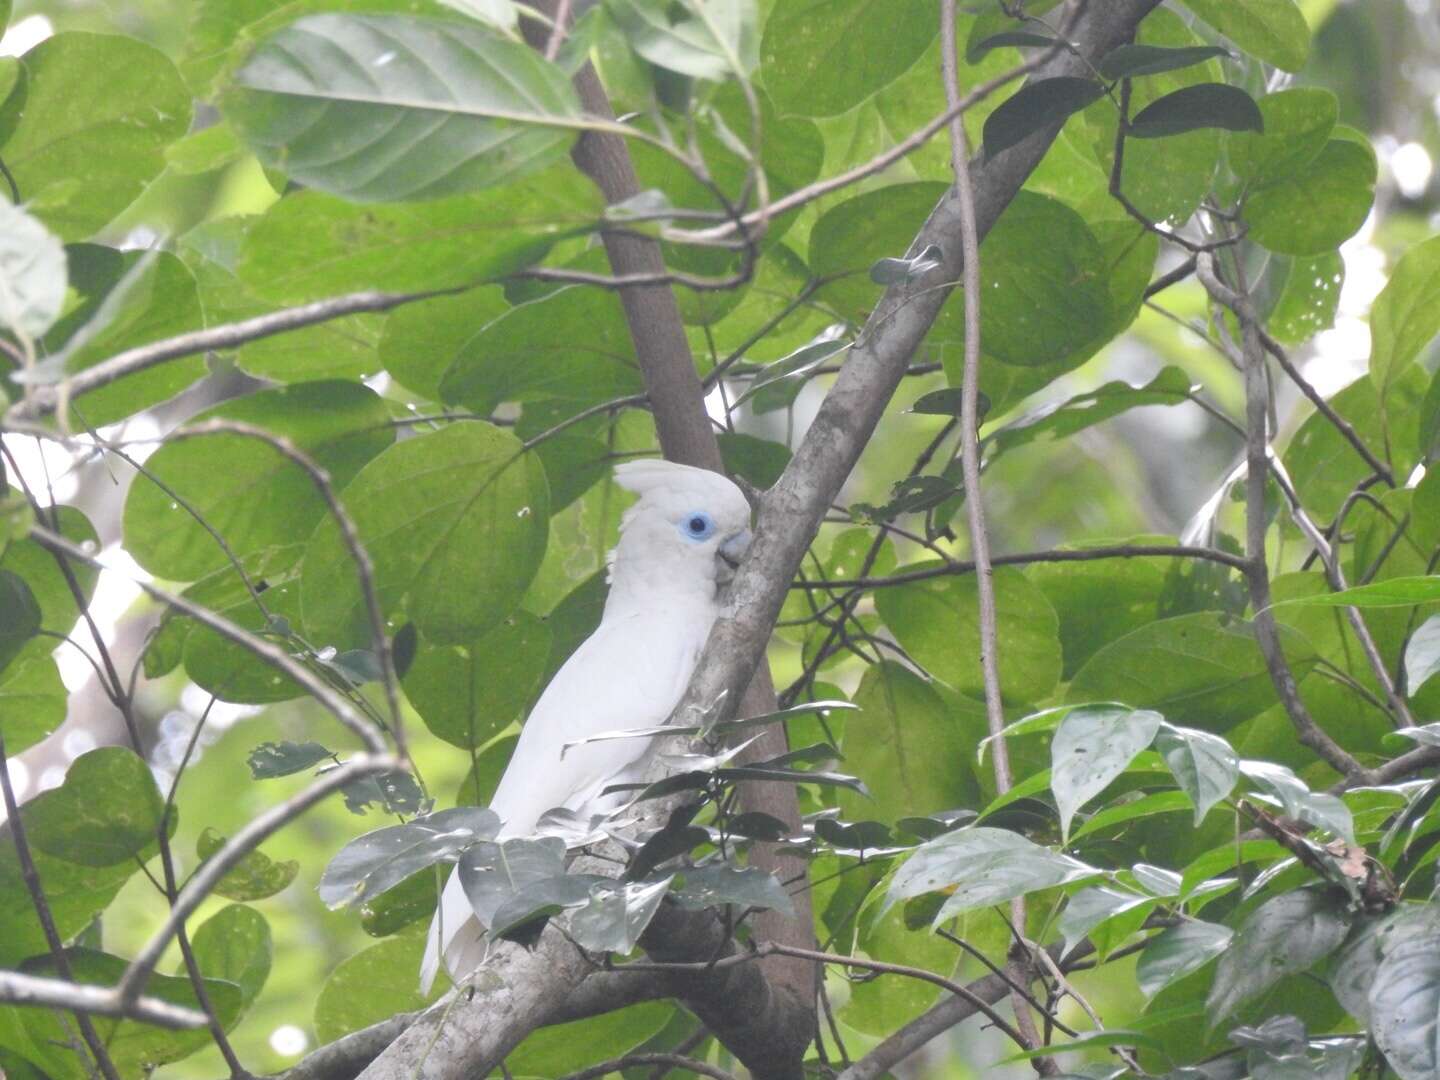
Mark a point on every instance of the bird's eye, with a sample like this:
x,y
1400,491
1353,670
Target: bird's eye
x,y
697,526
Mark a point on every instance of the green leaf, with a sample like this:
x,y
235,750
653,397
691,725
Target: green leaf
x,y
204,151
48,584
1091,747
1319,208
135,1048
405,904
758,461
373,985
1406,315
32,274
1270,30
1204,765
269,760
1177,951
125,299
1191,108
742,886
1097,904
376,107
254,877
371,864
1060,420
1204,670
985,866
467,694
1284,936
1309,295
1354,969
904,728
1397,592
260,499
818,57
493,872
721,42
937,622
1422,655
976,49
1318,808
615,917
1129,61
90,130
22,616
234,945
106,812
1038,106
32,698
565,1048
532,353
1297,125
310,245
455,522
777,385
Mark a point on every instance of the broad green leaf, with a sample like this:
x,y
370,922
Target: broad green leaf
x,y
618,914
1318,208
1354,968
1309,294
373,985
705,40
405,904
1397,592
565,1048
376,107
937,621
455,522
1091,747
260,499
1422,654
106,812
1284,936
1192,108
469,693
906,728
818,57
1406,315
1204,765
90,130
22,616
32,274
32,698
269,760
204,151
421,340
981,866
1298,122
135,1048
1058,421
77,894
255,877
234,945
1131,61
1204,670
1317,808
493,872
1094,905
371,864
311,245
126,299
532,353
1177,951
758,461
1037,106
1126,809
1270,30
47,582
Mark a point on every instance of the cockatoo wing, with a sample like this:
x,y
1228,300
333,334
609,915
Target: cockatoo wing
x,y
630,673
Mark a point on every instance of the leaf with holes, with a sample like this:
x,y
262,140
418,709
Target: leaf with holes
x,y
1092,747
1204,765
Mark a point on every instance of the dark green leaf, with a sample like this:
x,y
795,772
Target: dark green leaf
x,y
234,945
1298,123
1037,106
21,620
517,915
758,461
1128,61
1207,105
455,522
1093,746
422,107
947,402
107,811
394,792
405,904
493,872
269,760
974,50
615,917
1177,951
743,886
1283,936
255,877
380,860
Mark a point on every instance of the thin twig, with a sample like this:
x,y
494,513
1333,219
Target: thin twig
x,y
20,989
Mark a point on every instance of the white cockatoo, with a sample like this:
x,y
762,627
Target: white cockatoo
x,y
678,545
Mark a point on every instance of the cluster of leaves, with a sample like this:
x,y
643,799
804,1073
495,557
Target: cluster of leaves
x,y
420,146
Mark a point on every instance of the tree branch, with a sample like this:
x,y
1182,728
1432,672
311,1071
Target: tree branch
x,y
19,989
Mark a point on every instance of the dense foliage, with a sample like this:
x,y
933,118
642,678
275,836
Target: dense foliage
x,y
376,512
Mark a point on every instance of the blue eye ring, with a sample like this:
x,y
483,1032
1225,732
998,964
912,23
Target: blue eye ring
x,y
697,525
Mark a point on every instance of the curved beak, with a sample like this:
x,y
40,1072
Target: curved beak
x,y
734,548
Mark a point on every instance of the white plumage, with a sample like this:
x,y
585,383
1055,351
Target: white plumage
x,y
677,546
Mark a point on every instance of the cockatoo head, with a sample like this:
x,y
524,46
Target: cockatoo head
x,y
686,534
